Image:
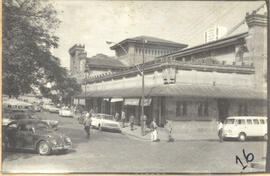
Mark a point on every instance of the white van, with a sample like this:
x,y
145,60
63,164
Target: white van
x,y
242,127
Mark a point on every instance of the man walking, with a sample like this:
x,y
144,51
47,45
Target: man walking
x,y
123,118
87,124
220,131
154,133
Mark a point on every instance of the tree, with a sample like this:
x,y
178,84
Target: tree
x,y
28,37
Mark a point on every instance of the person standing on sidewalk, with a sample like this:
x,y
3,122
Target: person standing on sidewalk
x,y
123,118
87,124
153,127
220,131
131,122
168,127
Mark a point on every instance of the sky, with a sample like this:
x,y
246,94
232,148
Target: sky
x,y
92,23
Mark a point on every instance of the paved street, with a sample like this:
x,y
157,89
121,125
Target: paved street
x,y
116,152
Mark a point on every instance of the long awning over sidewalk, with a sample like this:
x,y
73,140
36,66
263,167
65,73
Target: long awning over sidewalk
x,y
181,91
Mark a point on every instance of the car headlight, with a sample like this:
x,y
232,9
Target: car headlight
x,y
53,141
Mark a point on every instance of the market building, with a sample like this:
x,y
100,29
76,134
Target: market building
x,y
203,83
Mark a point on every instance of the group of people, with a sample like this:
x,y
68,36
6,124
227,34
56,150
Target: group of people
x,y
153,126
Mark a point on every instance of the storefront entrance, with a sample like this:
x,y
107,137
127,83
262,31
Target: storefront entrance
x,y
223,109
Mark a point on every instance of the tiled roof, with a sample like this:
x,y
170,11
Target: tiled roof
x,y
206,46
104,61
183,91
152,40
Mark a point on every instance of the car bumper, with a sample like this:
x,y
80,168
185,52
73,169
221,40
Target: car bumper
x,y
65,147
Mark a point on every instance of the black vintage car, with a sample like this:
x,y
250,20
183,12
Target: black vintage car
x,y
36,135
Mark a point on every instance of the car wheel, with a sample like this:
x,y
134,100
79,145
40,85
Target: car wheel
x,y
242,137
44,148
265,137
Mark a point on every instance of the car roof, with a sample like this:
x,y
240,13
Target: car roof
x,y
25,121
247,117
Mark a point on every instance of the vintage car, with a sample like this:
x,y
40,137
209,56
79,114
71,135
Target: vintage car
x,y
105,122
65,112
14,116
33,134
53,109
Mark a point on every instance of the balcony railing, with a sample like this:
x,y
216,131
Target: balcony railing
x,y
198,64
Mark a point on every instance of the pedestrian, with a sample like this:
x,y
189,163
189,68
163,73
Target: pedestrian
x,y
168,127
154,134
220,131
87,124
116,117
123,118
131,122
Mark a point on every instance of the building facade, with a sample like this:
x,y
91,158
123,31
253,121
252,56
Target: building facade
x,y
204,83
130,51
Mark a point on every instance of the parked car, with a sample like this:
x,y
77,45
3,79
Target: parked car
x,y
53,109
14,116
36,135
65,112
105,122
36,108
243,127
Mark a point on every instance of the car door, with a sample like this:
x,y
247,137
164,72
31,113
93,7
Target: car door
x,y
24,136
10,134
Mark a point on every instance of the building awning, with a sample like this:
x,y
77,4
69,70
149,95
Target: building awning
x,y
116,99
132,101
181,90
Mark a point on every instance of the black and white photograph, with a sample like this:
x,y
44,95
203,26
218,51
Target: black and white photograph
x,y
134,87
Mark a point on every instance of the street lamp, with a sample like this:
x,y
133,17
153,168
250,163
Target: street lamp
x,y
142,73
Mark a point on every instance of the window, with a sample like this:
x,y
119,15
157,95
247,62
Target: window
x,y
249,121
256,121
261,121
203,109
229,121
181,108
240,121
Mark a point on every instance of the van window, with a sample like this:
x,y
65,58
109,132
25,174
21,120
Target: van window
x,y
229,121
261,121
249,121
256,121
241,121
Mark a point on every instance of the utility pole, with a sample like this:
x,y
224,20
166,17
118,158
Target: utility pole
x,y
142,100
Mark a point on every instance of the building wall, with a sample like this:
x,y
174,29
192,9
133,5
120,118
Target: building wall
x,y
192,108
134,54
253,107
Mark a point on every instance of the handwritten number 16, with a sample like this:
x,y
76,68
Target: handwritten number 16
x,y
249,158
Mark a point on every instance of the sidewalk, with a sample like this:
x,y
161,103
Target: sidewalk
x,y
180,133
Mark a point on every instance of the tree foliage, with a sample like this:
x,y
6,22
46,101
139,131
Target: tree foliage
x,y
28,36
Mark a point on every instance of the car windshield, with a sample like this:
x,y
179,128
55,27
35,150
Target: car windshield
x,y
108,117
41,126
229,121
20,116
